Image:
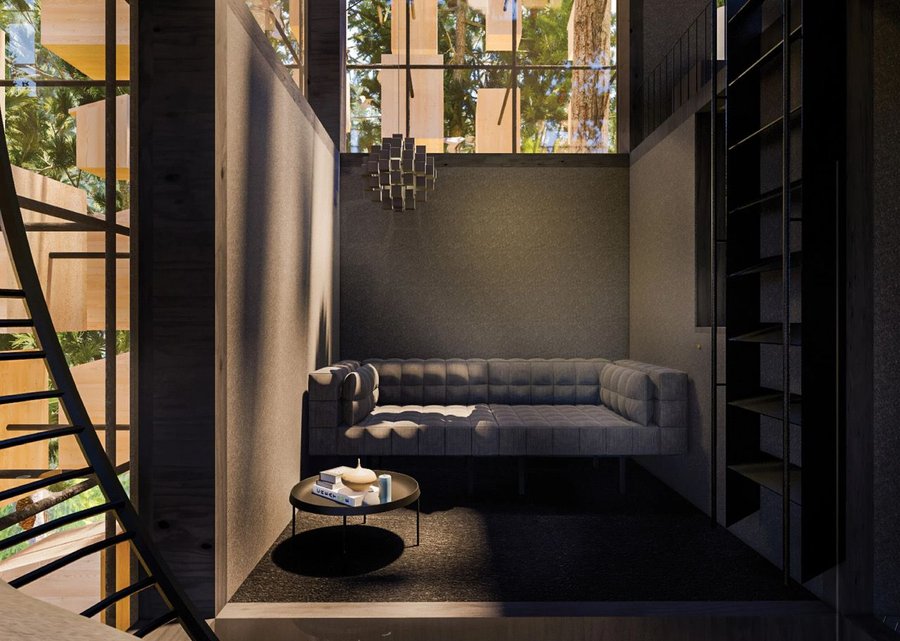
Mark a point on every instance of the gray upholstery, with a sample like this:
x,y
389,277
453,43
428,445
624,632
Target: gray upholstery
x,y
670,393
453,430
628,392
359,394
510,381
325,394
564,430
456,407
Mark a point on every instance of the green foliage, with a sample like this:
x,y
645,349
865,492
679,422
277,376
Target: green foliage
x,y
41,137
40,131
77,503
543,95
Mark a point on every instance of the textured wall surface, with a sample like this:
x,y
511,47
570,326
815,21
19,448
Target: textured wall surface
x,y
275,290
502,262
664,21
663,327
887,303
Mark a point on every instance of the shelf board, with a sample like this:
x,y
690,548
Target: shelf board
x,y
770,55
768,402
747,4
765,197
770,475
771,334
766,128
769,264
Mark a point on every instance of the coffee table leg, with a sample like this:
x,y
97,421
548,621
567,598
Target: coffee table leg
x,y
364,519
293,521
417,522
344,537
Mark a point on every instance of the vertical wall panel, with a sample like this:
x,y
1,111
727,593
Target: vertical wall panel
x,y
174,253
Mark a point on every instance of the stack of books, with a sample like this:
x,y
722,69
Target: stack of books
x,y
330,486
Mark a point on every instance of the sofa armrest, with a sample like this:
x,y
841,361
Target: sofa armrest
x,y
627,392
670,392
325,393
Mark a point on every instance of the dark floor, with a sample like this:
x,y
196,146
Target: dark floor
x,y
573,537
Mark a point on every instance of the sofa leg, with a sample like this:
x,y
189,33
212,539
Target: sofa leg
x,y
521,476
470,475
621,475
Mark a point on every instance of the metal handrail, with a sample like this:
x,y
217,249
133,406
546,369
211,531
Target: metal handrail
x,y
680,75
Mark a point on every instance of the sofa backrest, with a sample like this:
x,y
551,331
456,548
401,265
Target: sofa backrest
x,y
513,381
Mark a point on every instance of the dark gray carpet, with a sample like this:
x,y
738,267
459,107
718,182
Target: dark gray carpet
x,y
581,542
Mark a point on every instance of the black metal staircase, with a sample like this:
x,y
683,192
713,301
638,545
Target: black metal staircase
x,y
116,501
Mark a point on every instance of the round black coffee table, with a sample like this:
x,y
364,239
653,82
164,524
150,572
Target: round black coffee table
x,y
404,491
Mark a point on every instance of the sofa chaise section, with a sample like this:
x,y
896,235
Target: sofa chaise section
x,y
507,407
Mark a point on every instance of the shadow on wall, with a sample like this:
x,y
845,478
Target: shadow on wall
x,y
500,262
278,255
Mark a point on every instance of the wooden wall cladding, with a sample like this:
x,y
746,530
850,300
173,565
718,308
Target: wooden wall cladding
x,y
90,137
22,376
74,30
91,380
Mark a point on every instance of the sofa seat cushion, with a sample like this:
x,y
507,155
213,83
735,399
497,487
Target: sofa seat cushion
x,y
557,416
455,430
571,430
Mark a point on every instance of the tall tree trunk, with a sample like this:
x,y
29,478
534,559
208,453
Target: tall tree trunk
x,y
591,46
458,58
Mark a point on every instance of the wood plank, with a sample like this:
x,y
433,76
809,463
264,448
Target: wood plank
x,y
426,108
63,283
73,587
493,134
90,137
422,35
95,279
90,378
675,621
19,376
75,31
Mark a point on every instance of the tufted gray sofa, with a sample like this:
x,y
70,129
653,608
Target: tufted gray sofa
x,y
505,407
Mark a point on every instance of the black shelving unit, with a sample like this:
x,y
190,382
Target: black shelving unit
x,y
784,138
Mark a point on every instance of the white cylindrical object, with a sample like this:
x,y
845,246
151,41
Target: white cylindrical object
x,y
384,485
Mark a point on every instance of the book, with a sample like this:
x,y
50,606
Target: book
x,y
344,496
336,485
333,475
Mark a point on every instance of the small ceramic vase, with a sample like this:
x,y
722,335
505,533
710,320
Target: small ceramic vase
x,y
359,478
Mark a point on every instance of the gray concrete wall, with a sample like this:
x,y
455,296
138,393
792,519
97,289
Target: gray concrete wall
x,y
276,277
663,319
502,262
886,286
663,22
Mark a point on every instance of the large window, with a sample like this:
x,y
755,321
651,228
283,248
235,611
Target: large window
x,y
74,188
483,76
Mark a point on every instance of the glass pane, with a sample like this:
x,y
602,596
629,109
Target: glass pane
x,y
495,109
545,32
545,111
61,39
364,117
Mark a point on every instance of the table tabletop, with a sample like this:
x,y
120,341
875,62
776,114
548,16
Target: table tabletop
x,y
404,490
